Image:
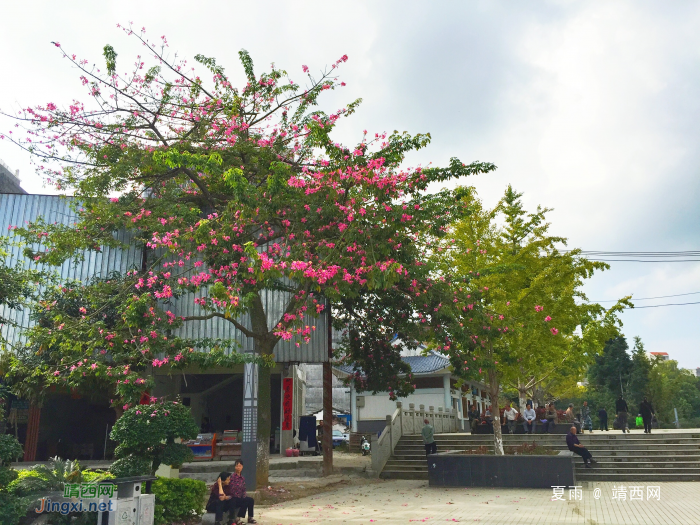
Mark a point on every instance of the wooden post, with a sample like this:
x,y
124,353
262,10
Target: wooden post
x,y
32,440
328,401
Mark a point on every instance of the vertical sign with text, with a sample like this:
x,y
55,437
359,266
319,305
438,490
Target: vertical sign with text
x,y
287,402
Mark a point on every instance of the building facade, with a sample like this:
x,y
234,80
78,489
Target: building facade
x,y
74,426
435,387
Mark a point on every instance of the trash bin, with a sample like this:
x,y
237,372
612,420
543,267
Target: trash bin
x,y
132,507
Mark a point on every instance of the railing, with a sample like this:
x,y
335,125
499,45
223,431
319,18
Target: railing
x,y
409,421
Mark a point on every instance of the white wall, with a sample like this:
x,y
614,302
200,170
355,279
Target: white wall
x,y
378,406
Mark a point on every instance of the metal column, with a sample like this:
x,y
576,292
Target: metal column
x,y
249,446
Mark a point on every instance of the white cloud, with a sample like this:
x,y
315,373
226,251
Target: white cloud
x,y
590,108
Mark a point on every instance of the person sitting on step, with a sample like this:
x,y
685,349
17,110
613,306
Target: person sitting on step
x,y
240,498
220,500
576,447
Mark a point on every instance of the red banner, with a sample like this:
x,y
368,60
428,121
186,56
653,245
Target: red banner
x,y
287,402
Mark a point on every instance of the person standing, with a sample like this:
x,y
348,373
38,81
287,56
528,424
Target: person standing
x,y
603,418
428,438
647,412
530,417
576,447
511,417
237,490
586,421
621,409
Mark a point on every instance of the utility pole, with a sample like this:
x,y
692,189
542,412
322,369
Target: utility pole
x,y
328,400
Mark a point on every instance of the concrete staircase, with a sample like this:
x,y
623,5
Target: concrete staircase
x,y
662,456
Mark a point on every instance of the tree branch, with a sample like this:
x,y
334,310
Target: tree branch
x,y
239,326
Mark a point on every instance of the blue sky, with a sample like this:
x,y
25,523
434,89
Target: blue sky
x,y
590,108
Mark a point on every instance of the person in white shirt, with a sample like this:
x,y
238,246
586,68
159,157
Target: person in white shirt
x,y
511,417
530,417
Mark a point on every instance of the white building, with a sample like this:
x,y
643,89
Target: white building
x,y
435,387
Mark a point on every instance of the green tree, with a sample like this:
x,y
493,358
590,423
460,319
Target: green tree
x,y
671,387
639,374
518,313
232,193
147,437
18,286
612,368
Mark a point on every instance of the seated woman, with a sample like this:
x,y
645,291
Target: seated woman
x,y
237,490
220,500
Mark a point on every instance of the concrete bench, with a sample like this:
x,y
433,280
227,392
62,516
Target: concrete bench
x,y
209,517
566,453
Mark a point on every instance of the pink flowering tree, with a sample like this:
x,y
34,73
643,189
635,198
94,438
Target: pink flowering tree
x,y
231,192
518,313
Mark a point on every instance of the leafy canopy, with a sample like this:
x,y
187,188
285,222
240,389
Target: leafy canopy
x,y
231,192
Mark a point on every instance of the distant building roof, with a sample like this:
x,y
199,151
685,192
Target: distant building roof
x,y
9,183
420,364
658,353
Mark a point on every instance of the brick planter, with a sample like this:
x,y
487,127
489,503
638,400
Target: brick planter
x,y
450,469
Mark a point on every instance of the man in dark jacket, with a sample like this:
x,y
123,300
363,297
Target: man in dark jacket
x,y
576,447
603,417
647,413
621,409
474,418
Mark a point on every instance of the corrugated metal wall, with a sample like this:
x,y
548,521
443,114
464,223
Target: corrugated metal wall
x,y
17,210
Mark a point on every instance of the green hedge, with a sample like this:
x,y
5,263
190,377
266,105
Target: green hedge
x,y
12,507
178,500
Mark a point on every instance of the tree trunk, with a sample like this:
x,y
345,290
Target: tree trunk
x,y
494,387
262,468
328,403
264,345
522,395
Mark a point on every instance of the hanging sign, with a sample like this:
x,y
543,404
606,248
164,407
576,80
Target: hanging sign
x,y
287,402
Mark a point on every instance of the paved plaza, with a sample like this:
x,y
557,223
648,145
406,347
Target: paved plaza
x,y
403,501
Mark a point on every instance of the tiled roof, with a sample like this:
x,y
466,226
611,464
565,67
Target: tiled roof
x,y
420,364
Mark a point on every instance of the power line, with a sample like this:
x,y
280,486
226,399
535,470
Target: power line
x,y
691,253
643,257
658,305
642,261
646,298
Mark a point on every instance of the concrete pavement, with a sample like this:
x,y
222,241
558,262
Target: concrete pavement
x,y
407,501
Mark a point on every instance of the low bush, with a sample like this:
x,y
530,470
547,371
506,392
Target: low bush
x,y
147,437
178,500
524,449
13,507
530,449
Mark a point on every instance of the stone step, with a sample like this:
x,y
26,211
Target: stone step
x,y
405,467
410,449
646,465
208,466
623,457
207,477
393,474
664,450
591,475
487,442
558,437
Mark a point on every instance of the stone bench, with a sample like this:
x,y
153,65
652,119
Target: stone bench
x,y
209,517
566,453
